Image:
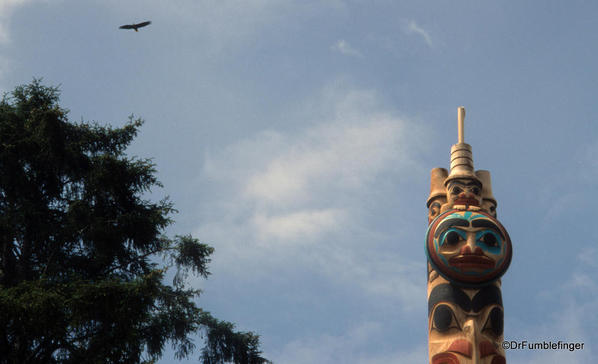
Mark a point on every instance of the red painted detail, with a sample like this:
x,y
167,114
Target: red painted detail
x,y
486,349
466,250
498,360
462,347
448,272
466,201
445,358
470,261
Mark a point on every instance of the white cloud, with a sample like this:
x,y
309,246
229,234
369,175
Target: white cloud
x,y
565,325
376,273
347,153
343,47
567,191
572,319
589,256
281,199
7,8
300,225
354,346
413,27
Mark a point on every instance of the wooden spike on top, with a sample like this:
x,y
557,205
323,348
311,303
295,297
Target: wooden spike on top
x,y
461,126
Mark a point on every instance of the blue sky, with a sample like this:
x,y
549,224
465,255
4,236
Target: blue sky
x,y
296,138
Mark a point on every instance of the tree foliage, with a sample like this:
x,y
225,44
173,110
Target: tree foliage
x,y
79,246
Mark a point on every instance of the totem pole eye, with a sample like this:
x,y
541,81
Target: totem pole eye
x,y
456,190
489,239
475,190
444,319
495,322
451,238
435,208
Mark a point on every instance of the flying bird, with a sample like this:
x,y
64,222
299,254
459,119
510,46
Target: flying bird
x,y
135,26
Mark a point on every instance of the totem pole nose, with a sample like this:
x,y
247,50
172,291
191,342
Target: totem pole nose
x,y
470,245
467,195
465,250
470,271
471,331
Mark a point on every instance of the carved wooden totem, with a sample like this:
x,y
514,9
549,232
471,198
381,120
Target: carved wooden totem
x,y
468,251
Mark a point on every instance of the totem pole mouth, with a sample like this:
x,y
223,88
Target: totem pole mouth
x,y
471,262
470,249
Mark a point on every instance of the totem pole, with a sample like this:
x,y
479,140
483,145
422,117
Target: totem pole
x,y
468,250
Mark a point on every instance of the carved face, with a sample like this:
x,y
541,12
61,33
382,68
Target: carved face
x,y
468,248
464,192
434,208
489,206
465,326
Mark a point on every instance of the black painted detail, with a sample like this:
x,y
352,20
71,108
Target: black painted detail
x,y
452,238
443,316
487,224
488,295
448,293
489,239
496,321
449,223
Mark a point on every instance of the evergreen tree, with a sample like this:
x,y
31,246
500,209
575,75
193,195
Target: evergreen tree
x,y
79,246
